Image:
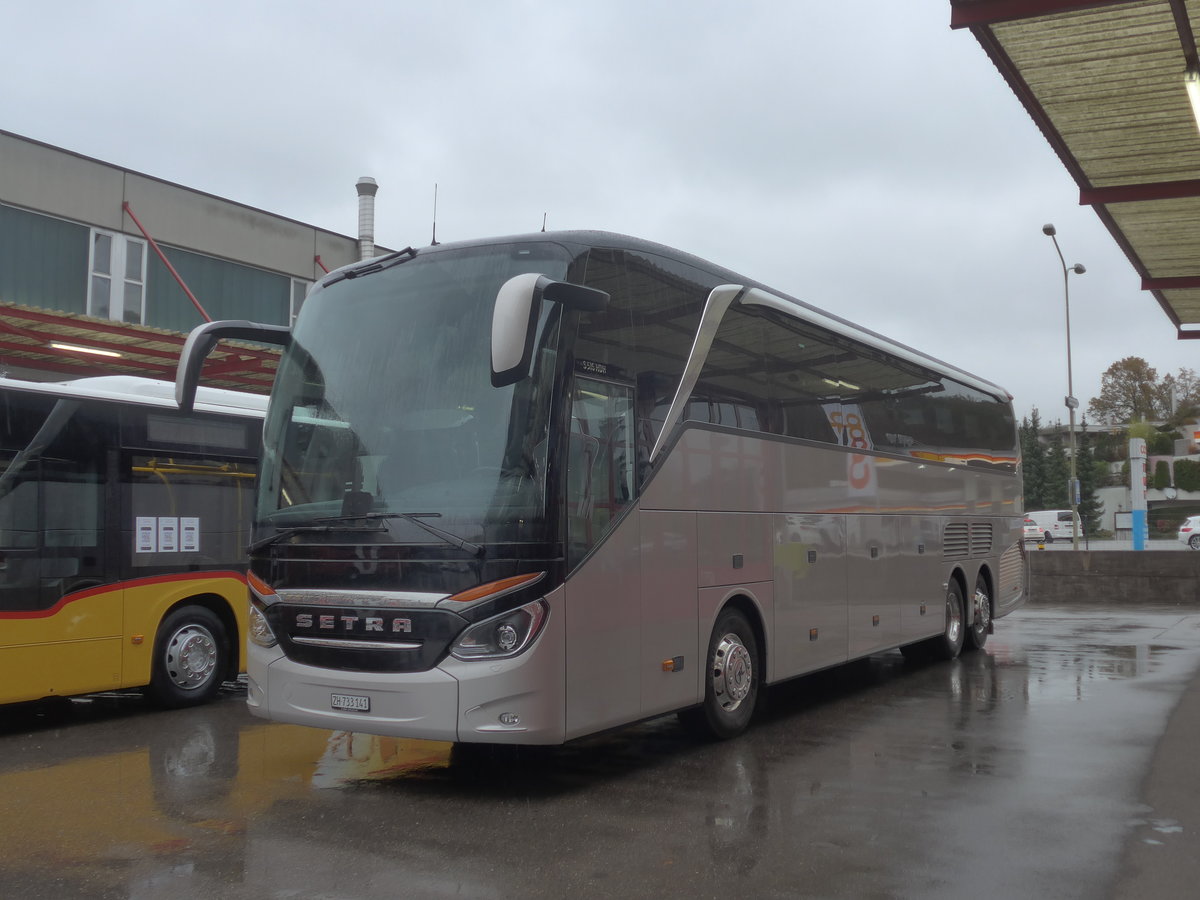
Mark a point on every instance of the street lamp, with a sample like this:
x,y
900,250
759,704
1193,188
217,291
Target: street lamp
x,y
1069,400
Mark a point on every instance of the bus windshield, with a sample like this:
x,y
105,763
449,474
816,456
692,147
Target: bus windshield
x,y
383,403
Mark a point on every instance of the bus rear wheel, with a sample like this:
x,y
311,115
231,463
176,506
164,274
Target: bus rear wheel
x,y
191,655
731,681
977,634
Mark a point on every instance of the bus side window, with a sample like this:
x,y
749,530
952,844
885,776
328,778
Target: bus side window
x,y
18,515
213,497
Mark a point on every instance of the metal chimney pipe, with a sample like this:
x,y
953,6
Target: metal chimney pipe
x,y
367,188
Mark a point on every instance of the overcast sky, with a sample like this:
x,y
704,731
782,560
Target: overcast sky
x,y
860,156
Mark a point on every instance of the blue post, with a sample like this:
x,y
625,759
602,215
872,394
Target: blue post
x,y
1140,529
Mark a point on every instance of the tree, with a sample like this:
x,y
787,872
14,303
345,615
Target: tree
x,y
1085,471
1130,391
1058,473
1033,463
1183,392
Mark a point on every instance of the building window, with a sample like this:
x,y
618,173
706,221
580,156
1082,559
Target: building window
x,y
299,292
43,261
118,284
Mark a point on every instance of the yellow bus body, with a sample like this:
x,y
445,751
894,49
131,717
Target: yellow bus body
x,y
102,639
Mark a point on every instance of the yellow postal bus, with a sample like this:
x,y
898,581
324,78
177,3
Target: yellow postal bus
x,y
123,528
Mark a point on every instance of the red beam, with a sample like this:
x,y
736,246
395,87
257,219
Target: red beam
x,y
91,324
90,340
100,325
44,362
970,13
1131,193
1171,284
166,262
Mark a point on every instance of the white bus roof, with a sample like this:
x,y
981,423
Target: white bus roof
x,y
144,392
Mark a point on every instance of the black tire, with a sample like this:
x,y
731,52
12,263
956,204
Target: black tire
x,y
731,681
1194,542
1048,537
191,657
981,626
949,643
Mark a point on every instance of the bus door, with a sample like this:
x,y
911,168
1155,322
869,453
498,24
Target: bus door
x,y
603,590
59,637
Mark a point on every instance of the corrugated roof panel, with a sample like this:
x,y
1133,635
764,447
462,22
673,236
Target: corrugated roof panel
x,y
1111,80
1105,85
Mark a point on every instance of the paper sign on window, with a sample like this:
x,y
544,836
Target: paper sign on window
x,y
146,534
168,534
189,534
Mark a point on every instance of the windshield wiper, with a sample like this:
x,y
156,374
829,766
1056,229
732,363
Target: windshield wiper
x,y
370,267
453,539
341,523
288,530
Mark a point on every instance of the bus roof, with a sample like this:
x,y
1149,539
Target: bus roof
x,y
784,303
144,392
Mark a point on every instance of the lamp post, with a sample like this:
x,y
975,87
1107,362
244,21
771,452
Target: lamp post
x,y
1069,400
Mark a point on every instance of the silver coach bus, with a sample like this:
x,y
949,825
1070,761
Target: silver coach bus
x,y
525,489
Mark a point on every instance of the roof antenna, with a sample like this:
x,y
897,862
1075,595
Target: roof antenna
x,y
435,240
544,222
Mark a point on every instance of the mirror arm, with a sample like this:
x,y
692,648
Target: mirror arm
x,y
200,343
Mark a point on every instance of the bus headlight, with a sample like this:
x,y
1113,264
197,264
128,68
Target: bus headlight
x,y
260,630
501,636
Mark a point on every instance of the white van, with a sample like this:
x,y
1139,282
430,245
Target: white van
x,y
1055,523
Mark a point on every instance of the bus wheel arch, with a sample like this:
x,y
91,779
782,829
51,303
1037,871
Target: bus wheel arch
x,y
735,663
194,652
981,608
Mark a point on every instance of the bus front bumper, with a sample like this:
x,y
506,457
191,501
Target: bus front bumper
x,y
510,701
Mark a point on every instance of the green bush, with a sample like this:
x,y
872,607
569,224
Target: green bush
x,y
1187,475
1162,475
1161,444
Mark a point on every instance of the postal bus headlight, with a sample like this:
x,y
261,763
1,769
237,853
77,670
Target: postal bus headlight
x,y
502,636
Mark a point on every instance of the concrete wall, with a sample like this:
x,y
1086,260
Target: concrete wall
x,y
1110,576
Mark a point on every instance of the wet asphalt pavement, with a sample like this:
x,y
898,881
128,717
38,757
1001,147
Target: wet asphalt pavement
x,y
1038,768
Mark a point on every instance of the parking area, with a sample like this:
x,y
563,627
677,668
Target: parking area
x,y
1027,770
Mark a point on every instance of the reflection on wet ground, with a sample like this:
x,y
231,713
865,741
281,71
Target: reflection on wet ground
x,y
1012,772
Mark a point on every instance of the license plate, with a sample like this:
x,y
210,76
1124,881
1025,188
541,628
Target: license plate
x,y
351,702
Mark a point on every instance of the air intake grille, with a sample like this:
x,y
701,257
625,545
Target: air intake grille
x,y
956,541
981,539
1012,571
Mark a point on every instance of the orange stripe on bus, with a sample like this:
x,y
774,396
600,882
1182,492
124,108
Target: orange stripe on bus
x,y
118,586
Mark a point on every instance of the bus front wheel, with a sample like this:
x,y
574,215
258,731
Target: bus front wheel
x,y
191,653
731,681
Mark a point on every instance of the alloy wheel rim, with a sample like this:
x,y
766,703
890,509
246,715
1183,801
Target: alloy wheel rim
x,y
733,672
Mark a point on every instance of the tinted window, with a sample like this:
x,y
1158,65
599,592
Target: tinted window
x,y
52,459
189,510
645,334
779,376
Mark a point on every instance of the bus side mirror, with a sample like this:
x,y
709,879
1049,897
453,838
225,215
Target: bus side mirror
x,y
200,343
514,319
